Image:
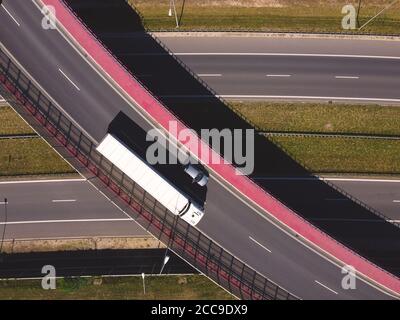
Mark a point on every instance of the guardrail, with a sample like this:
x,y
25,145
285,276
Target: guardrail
x,y
227,103
186,241
328,237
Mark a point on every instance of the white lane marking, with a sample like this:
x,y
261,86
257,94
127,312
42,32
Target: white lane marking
x,y
42,181
63,221
347,77
20,66
210,75
394,221
8,12
279,75
326,287
262,246
278,54
361,180
396,201
249,96
2,202
76,87
61,201
329,179
227,96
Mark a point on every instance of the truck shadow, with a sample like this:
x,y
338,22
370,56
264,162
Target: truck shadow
x,y
120,29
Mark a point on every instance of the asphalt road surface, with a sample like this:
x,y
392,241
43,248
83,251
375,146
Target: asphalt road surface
x,y
73,208
88,99
262,67
61,209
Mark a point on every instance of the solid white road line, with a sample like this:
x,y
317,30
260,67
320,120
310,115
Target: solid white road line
x,y
2,202
283,54
361,180
279,75
8,12
244,96
76,87
63,221
42,181
262,246
396,201
61,201
347,77
330,179
326,287
210,75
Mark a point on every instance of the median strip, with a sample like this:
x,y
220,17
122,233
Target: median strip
x,y
268,16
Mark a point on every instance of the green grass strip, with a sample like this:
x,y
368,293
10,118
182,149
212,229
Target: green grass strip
x,y
268,15
12,124
322,118
340,155
30,157
165,287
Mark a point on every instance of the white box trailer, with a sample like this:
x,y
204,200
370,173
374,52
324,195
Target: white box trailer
x,y
150,180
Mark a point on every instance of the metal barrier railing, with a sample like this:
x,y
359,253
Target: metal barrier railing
x,y
276,198
187,242
227,103
244,117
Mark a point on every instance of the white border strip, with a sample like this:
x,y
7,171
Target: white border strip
x,y
64,221
42,181
284,54
243,96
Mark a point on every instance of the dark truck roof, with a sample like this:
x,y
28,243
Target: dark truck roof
x,y
134,137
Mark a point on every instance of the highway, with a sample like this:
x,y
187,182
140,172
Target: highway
x,y
61,209
73,208
92,103
302,69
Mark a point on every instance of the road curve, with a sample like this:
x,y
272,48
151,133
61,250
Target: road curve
x,y
93,106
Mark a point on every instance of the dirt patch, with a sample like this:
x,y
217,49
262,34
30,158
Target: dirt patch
x,y
261,3
50,245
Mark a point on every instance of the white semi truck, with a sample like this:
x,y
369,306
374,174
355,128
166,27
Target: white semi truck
x,y
150,180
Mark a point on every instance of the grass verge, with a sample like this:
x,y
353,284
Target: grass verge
x,y
19,157
322,117
12,124
268,15
194,287
344,155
